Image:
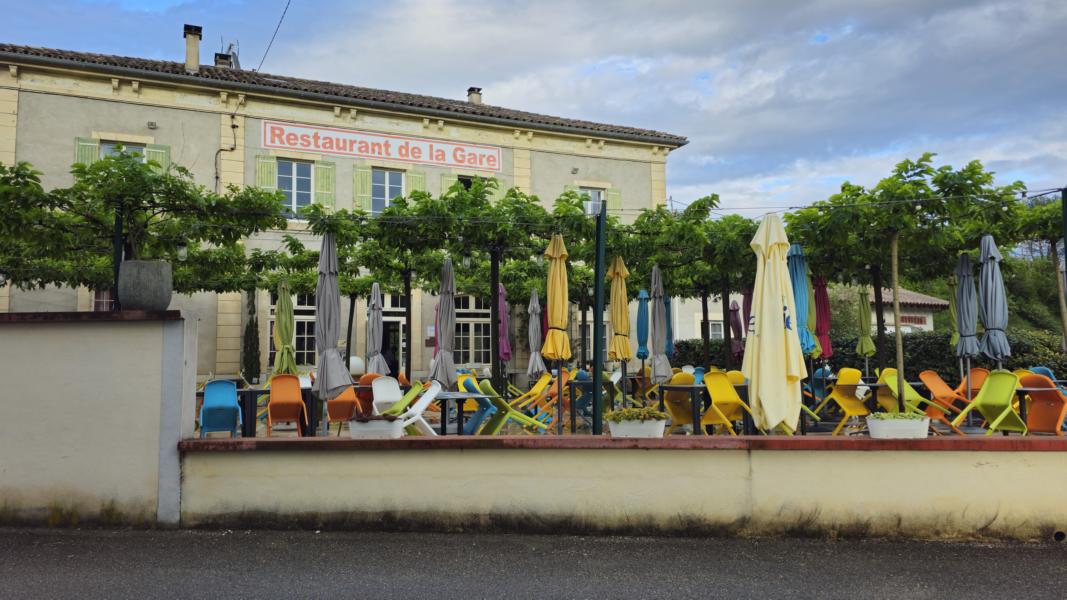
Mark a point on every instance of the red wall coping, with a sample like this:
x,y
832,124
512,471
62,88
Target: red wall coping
x,y
945,443
91,317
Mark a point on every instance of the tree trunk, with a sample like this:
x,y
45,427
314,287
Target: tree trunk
x,y
879,316
727,335
1055,257
348,335
405,337
894,245
705,335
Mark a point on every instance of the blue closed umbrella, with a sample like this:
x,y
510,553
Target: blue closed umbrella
x,y
642,324
669,350
992,303
798,276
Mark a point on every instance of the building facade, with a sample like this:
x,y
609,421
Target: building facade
x,y
343,146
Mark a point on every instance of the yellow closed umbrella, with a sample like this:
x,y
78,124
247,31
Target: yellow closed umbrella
x,y
619,347
557,344
774,362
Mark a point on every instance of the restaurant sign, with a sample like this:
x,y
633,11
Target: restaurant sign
x,y
361,144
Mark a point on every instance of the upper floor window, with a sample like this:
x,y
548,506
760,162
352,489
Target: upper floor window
x,y
386,184
113,148
295,182
595,194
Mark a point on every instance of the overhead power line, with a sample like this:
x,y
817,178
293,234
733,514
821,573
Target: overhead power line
x,y
271,43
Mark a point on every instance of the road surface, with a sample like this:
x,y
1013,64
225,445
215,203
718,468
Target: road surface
x,y
42,563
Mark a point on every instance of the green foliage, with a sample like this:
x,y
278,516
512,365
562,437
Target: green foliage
x,y
635,414
897,416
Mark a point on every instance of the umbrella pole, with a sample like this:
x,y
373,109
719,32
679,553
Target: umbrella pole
x,y
623,384
644,382
559,397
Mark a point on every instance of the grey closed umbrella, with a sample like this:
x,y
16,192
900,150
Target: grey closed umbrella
x,y
443,367
537,364
376,363
993,303
661,365
331,375
966,309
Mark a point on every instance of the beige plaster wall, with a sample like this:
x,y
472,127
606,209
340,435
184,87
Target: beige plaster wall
x,y
921,494
81,419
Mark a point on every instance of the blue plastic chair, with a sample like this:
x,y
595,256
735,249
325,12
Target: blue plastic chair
x,y
485,409
698,376
821,379
584,404
1047,372
220,410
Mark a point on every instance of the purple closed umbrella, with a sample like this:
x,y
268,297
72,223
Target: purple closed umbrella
x,y
503,344
737,346
746,307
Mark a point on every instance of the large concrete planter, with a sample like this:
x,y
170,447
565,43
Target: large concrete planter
x,y
898,429
637,429
145,285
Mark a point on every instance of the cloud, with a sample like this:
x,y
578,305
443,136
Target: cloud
x,y
781,100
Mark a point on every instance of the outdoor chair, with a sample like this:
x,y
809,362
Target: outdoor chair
x,y
978,377
365,396
698,375
544,406
403,379
286,404
940,391
678,403
1047,407
1047,372
220,411
994,401
816,387
412,418
886,396
688,369
342,408
523,400
726,405
505,413
484,411
386,392
843,394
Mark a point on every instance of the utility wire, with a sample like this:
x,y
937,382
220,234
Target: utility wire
x,y
265,52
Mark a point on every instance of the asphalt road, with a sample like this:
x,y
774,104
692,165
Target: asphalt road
x,y
268,564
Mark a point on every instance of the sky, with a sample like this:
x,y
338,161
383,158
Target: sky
x,y
782,101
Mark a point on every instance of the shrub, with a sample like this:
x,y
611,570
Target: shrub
x,y
635,414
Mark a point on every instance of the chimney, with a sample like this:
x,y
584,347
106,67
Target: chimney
x,y
193,34
224,59
474,95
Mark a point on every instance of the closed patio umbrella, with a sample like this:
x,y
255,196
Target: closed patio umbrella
x,y
331,375
443,366
993,303
669,348
537,365
737,345
798,277
746,307
661,365
619,348
376,363
774,361
865,345
966,316
822,318
284,328
813,317
642,325
557,345
953,314
503,341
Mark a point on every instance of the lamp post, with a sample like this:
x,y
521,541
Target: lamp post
x,y
595,208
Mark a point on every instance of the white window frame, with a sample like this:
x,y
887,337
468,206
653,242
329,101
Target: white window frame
x,y
388,198
292,207
304,316
110,148
473,327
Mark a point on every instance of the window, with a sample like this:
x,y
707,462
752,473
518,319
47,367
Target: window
x,y
466,180
102,301
304,339
595,194
587,340
473,343
294,180
386,184
715,330
113,148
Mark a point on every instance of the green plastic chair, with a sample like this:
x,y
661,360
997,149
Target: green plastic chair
x,y
400,406
504,413
993,402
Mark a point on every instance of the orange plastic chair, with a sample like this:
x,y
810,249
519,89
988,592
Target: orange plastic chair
x,y
978,377
940,391
342,408
286,404
402,379
1048,406
365,395
546,403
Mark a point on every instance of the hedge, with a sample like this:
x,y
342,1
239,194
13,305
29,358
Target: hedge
x,y
922,350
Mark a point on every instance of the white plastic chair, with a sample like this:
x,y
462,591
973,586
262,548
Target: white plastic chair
x,y
688,369
356,366
386,391
413,415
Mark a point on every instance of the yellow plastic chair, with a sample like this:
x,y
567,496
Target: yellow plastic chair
x,y
843,394
677,403
886,397
726,404
524,401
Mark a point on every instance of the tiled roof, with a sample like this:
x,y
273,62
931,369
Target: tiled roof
x,y
910,298
226,78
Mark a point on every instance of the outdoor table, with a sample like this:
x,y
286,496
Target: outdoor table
x,y
695,399
460,398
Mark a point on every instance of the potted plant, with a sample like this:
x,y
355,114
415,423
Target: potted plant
x,y
637,422
898,425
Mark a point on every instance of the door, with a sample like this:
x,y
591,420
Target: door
x,y
391,346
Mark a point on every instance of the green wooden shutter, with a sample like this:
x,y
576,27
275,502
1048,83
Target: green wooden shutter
x,y
416,181
159,154
267,172
361,178
447,181
86,150
325,183
613,198
500,191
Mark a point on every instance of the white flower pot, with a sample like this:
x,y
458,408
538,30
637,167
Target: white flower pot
x,y
637,429
376,430
898,429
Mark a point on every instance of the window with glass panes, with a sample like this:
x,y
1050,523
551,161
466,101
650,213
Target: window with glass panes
x,y
112,148
102,301
304,339
473,343
595,194
715,330
587,339
295,182
386,184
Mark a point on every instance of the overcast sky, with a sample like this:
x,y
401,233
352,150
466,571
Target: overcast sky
x,y
781,101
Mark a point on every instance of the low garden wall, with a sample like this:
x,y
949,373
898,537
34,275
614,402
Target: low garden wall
x,y
935,488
